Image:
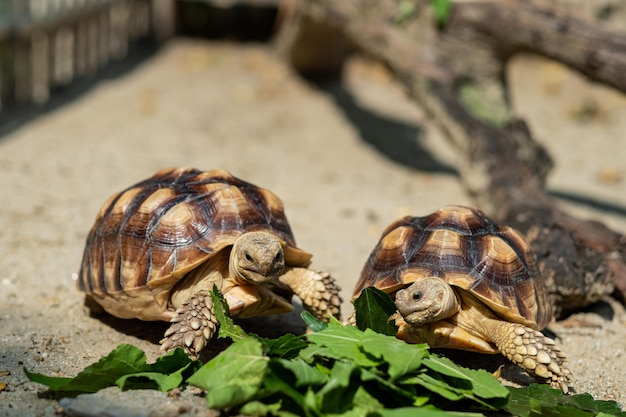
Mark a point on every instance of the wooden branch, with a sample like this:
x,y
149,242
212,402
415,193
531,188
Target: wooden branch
x,y
522,25
500,164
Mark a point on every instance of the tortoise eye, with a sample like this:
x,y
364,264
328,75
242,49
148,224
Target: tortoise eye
x,y
417,295
248,257
278,257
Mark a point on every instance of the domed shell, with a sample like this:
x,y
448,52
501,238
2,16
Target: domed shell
x,y
147,237
467,250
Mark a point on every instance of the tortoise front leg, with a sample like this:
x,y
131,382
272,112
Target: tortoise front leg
x,y
193,326
317,290
531,350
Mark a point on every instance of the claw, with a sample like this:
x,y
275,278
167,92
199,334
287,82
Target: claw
x,y
192,327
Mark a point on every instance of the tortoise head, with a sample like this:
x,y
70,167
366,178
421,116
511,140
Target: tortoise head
x,y
427,300
257,258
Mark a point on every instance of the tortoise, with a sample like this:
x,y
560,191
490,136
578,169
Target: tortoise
x,y
460,281
157,249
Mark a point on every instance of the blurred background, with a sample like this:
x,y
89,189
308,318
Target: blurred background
x,y
47,46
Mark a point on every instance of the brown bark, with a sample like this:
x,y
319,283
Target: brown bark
x,y
515,25
500,164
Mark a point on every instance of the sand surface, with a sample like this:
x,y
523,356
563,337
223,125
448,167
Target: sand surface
x,y
346,160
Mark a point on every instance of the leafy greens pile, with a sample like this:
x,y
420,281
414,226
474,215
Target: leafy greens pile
x,y
337,370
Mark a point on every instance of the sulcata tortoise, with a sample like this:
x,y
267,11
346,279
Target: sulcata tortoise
x,y
460,281
157,249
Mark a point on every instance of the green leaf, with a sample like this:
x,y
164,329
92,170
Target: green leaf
x,y
259,408
476,384
442,10
364,405
445,366
234,376
314,353
373,310
304,374
280,383
52,382
487,386
482,383
424,412
366,402
126,367
123,360
341,342
388,393
151,380
286,346
222,313
313,322
402,358
338,394
173,361
540,399
166,373
439,387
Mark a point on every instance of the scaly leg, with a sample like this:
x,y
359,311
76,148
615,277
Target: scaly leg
x,y
531,350
317,290
193,326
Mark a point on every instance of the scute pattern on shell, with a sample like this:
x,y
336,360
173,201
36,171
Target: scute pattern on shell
x,y
168,224
465,248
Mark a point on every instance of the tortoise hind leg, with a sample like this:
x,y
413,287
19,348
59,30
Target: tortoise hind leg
x,y
317,290
531,350
193,326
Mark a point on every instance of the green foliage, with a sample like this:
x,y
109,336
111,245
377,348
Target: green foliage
x,y
125,367
541,400
374,308
442,9
228,329
233,377
336,371
314,324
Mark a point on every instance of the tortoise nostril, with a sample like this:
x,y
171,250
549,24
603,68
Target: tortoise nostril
x,y
279,257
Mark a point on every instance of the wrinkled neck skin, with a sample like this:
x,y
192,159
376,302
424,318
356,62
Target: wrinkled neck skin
x,y
203,278
476,318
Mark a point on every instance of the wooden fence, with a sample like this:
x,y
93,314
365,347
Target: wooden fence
x,y
45,44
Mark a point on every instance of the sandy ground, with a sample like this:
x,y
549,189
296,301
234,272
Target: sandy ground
x,y
345,160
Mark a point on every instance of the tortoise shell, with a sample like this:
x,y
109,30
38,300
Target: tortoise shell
x,y
147,237
466,249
